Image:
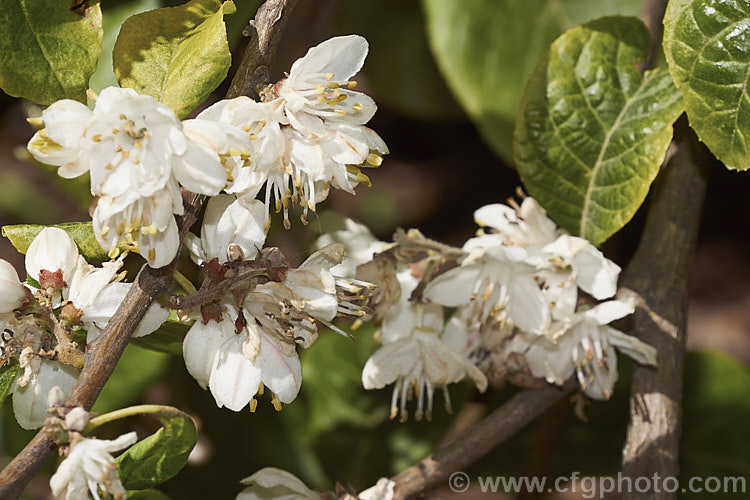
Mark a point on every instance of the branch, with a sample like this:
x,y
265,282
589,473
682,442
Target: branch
x,y
103,355
659,274
478,440
265,33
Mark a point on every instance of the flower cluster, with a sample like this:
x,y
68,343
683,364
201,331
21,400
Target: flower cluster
x,y
523,299
308,134
517,297
64,295
245,338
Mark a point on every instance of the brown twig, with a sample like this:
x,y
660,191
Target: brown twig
x,y
102,356
265,33
478,440
659,274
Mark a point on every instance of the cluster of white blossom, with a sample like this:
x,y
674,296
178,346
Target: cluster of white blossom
x,y
514,291
306,135
246,339
37,317
516,294
88,466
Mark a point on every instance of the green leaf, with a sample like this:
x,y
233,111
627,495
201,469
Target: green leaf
x,y
592,131
177,55
486,50
8,374
167,339
706,45
21,236
48,51
147,495
114,16
161,455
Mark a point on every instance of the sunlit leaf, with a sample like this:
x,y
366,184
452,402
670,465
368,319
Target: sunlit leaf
x,y
707,45
177,55
592,130
21,236
48,51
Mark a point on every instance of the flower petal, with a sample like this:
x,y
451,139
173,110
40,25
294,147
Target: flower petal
x,y
52,250
234,379
30,401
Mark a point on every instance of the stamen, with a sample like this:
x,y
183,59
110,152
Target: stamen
x,y
374,159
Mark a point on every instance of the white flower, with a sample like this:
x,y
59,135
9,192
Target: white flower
x,y
233,360
498,281
309,134
137,153
90,289
245,347
414,356
30,400
359,243
228,222
524,226
12,292
271,483
259,125
90,466
327,135
587,349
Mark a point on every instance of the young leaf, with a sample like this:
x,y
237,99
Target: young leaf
x,y
48,51
177,55
592,131
486,50
161,455
706,45
21,236
7,375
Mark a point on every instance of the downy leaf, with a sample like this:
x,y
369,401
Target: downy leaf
x,y
47,50
707,46
592,131
177,55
